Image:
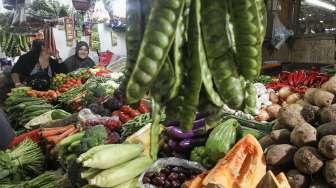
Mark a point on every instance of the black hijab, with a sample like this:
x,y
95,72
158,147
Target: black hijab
x,y
75,62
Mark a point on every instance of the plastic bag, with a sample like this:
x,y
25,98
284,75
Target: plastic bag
x,y
280,33
169,161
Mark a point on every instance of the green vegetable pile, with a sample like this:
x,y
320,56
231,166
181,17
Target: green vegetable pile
x,y
191,51
16,164
22,108
134,125
221,139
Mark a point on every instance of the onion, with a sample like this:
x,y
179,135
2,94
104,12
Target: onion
x,y
273,97
273,110
263,116
293,98
285,92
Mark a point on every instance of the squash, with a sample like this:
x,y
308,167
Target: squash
x,y
243,166
196,182
282,179
269,181
221,139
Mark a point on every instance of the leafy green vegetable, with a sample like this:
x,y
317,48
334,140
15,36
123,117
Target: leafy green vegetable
x,y
93,136
27,156
199,155
134,125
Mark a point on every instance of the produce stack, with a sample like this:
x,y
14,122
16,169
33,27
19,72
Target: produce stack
x,y
184,60
302,142
106,169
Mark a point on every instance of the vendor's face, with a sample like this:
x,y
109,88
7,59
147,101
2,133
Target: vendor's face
x,y
83,52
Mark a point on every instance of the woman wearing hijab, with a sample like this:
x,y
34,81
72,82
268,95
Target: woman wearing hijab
x,y
35,63
81,58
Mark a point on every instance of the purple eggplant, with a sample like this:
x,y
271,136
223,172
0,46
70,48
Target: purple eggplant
x,y
177,133
190,143
199,123
200,115
171,123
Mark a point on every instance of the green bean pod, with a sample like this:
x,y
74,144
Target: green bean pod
x,y
219,43
184,106
177,55
250,101
157,40
227,80
163,84
155,129
248,28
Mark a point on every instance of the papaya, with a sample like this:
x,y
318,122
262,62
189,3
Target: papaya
x,y
196,182
282,179
243,166
269,181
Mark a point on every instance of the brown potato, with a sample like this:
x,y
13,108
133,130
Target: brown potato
x,y
326,129
280,154
308,160
323,98
327,146
296,179
329,172
291,115
303,135
281,136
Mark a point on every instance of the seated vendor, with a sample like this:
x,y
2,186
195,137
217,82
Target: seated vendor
x,y
35,62
81,58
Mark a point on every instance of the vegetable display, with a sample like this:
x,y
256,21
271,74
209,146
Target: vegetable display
x,y
208,57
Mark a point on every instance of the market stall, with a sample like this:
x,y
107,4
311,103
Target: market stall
x,y
191,108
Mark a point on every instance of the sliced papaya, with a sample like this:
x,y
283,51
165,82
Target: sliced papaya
x,y
243,166
196,182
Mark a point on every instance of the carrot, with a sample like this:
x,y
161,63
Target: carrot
x,y
57,128
47,133
58,138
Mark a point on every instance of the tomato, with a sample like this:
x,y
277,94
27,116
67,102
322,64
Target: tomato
x,y
124,117
134,113
126,109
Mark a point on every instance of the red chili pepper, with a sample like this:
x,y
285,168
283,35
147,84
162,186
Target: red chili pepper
x,y
34,135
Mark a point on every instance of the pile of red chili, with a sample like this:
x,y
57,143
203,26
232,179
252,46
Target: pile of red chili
x,y
299,81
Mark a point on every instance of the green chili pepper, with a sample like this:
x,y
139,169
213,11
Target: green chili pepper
x,y
158,37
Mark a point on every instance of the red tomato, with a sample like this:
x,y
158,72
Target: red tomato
x,y
134,113
126,109
124,117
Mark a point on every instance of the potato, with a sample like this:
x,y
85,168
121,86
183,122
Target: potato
x,y
291,115
328,114
310,113
280,154
323,98
293,98
329,172
281,136
327,146
320,183
309,95
308,160
278,126
273,110
266,141
326,129
303,135
302,102
296,179
330,85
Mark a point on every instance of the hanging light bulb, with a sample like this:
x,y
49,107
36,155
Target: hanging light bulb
x,y
100,14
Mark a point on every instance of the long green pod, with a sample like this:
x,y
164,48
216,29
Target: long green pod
x,y
248,24
155,129
177,56
250,101
165,81
219,44
184,106
157,40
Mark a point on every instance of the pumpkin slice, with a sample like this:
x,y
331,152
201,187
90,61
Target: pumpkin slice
x,y
196,182
243,166
269,181
282,179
